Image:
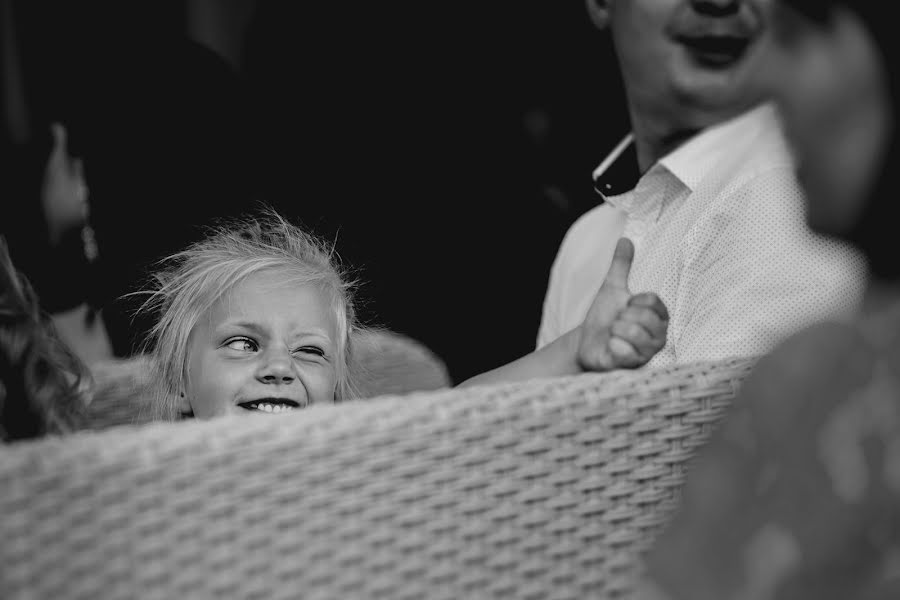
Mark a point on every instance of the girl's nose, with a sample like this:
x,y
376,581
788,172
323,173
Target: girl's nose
x,y
277,366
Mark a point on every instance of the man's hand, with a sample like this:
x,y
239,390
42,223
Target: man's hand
x,y
621,330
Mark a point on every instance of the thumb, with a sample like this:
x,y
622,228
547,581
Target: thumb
x,y
621,263
58,131
57,156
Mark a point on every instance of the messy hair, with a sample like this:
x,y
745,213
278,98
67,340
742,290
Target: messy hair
x,y
43,386
187,284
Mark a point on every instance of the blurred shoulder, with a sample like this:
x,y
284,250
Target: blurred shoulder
x,y
819,365
817,351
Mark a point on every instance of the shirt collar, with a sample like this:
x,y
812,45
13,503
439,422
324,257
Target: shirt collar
x,y
690,162
618,173
702,154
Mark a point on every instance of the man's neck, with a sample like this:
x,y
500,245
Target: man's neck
x,y
655,138
657,134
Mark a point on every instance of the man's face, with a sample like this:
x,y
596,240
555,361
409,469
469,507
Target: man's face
x,y
689,62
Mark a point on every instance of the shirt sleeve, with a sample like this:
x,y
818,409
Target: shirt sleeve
x,y
754,273
550,326
578,270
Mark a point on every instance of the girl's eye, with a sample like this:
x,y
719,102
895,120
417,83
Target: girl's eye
x,y
242,345
311,350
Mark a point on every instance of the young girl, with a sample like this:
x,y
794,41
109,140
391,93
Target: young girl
x,y
256,317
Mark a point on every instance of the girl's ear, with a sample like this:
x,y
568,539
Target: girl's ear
x,y
599,12
184,407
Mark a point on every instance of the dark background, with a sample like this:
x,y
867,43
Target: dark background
x,y
445,147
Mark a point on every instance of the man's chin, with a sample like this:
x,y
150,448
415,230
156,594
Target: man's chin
x,y
722,86
711,104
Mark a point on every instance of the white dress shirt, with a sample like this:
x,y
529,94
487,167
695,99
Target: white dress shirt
x,y
720,234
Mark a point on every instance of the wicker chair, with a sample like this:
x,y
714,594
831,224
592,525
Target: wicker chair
x,y
548,489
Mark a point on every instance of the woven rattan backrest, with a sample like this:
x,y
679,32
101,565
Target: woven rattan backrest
x,y
548,489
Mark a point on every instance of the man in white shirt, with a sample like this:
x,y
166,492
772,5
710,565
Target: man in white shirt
x,y
713,207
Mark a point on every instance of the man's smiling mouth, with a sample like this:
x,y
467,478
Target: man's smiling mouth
x,y
271,405
715,51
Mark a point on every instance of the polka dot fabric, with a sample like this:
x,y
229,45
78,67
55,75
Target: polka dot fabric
x,y
720,235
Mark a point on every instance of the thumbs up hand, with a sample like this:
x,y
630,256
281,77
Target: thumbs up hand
x,y
621,330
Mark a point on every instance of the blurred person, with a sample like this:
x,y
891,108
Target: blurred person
x,y
44,387
51,240
797,495
704,186
66,211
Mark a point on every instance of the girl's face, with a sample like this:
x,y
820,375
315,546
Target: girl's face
x,y
830,84
265,346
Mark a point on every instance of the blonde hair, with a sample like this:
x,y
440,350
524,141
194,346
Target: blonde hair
x,y
188,283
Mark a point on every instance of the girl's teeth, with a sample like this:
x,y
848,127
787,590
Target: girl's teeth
x,y
274,408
